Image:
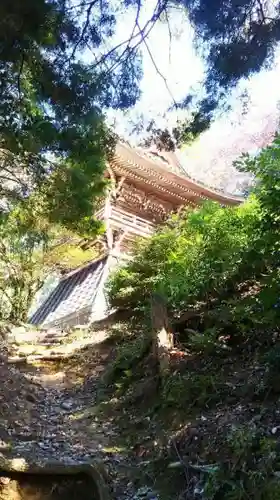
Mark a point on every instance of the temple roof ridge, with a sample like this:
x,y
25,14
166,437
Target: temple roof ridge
x,y
168,161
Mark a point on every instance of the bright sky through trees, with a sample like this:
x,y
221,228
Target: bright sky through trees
x,y
178,69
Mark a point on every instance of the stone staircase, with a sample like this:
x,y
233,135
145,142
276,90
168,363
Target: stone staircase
x,y
25,343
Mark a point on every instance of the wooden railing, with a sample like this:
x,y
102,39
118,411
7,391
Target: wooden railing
x,y
132,223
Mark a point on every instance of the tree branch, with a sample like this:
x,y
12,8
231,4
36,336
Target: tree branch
x,y
85,27
261,14
143,33
136,20
170,35
158,71
19,76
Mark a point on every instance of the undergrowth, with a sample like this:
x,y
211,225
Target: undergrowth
x,y
129,352
251,468
191,390
225,391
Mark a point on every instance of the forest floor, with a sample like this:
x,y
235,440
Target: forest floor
x,y
95,395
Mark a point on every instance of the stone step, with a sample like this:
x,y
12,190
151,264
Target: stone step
x,y
54,337
42,338
51,344
48,343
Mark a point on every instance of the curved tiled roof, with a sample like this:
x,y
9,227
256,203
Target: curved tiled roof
x,y
164,173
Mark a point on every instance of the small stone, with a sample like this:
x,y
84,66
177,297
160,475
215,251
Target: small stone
x,y
274,430
31,398
151,495
67,405
143,492
5,480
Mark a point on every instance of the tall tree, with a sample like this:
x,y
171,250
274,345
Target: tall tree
x,y
52,131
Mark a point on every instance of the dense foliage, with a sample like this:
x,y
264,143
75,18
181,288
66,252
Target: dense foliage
x,y
219,271
32,248
195,256
204,256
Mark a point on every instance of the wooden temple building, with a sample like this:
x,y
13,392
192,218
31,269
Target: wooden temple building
x,y
145,187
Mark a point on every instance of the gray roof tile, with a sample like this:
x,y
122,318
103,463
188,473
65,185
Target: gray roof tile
x,y
72,294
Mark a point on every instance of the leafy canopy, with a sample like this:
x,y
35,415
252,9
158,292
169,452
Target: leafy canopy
x,y
52,98
52,130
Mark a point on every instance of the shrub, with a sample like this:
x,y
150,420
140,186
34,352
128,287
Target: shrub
x,y
189,390
193,257
128,355
208,342
249,471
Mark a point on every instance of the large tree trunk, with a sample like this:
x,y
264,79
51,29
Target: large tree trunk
x,y
163,339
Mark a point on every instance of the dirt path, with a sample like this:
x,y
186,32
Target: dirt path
x,y
49,410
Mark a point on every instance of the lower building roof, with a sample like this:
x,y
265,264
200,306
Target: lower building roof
x,y
73,293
